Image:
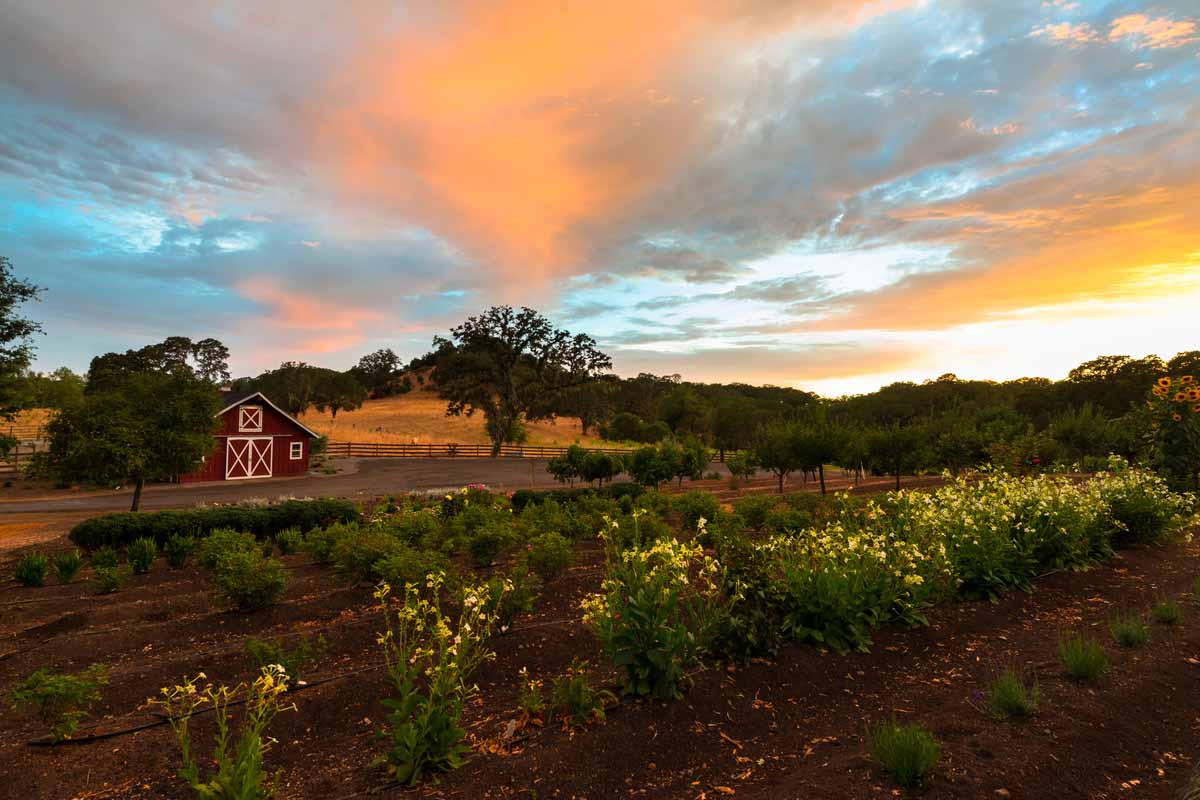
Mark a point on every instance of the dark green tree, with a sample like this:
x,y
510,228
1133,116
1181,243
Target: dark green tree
x,y
16,345
338,391
775,449
148,426
378,372
897,449
513,366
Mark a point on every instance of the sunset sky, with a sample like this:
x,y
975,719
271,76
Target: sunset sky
x,y
829,194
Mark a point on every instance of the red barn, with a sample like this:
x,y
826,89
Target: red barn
x,y
256,439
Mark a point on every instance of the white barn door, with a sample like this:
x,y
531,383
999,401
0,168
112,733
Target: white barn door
x,y
248,457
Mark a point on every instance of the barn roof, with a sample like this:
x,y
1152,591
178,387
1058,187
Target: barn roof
x,y
233,400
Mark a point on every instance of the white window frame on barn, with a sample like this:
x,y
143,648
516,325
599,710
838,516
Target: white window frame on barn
x,y
250,419
297,451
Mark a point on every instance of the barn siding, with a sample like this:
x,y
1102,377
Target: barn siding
x,y
278,426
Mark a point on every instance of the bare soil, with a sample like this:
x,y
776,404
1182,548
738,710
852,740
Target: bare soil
x,y
787,728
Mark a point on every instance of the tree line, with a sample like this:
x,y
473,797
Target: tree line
x,y
147,413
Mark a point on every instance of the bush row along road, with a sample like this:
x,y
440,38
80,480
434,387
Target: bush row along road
x,y
358,477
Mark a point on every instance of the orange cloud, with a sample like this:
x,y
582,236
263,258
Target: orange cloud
x,y
522,129
305,322
1153,32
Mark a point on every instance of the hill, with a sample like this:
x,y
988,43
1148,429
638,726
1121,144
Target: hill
x,y
420,417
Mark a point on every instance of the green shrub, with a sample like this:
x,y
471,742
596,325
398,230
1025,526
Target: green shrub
x,y
67,566
31,569
177,549
549,554
529,696
409,565
694,506
574,699
1129,630
1166,612
141,554
1012,694
105,558
294,660
106,580
754,509
416,529
907,752
320,543
1082,656
248,579
289,540
485,545
787,521
1140,507
614,491
61,701
119,530
218,543
356,553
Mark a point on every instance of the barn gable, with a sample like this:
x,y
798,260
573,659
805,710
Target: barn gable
x,y
255,439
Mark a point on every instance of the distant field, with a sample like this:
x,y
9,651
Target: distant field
x,y
420,418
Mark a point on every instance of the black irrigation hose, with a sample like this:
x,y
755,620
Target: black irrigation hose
x,y
163,719
95,737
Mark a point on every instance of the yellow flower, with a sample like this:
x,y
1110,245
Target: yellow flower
x,y
1164,382
1158,391
1180,397
1196,408
1176,417
1186,379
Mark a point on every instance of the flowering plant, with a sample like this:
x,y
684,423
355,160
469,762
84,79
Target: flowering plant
x,y
1174,405
657,611
430,657
239,760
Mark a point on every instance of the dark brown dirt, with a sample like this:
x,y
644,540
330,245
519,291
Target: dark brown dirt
x,y
790,728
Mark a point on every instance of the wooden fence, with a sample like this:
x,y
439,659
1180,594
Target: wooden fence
x,y
17,459
399,450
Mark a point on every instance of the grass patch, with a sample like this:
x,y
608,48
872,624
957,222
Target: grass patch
x,y
1129,630
1082,656
1166,612
907,752
31,569
1012,693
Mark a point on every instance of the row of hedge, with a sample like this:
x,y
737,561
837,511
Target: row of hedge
x,y
614,491
118,530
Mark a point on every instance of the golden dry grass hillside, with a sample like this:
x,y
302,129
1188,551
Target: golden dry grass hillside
x,y
420,417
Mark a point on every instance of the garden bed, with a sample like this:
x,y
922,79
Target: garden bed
x,y
789,727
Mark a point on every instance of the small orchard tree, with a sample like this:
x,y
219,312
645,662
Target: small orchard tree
x,y
897,449
568,467
692,459
650,465
818,443
513,366
775,449
599,467
143,426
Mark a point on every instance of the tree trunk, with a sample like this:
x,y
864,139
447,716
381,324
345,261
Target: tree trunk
x,y
781,483
137,494
821,475
897,475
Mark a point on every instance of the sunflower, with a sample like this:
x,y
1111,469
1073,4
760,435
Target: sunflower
x,y
1180,397
1158,391
1164,381
1186,379
1196,408
1176,417
1193,395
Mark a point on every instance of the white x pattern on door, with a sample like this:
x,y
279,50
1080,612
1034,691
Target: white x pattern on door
x,y
248,457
